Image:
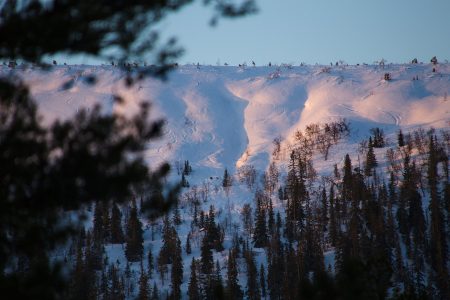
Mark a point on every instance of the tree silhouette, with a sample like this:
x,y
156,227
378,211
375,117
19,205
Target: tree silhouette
x,y
49,170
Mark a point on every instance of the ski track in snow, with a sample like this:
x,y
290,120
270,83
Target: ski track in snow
x,y
396,117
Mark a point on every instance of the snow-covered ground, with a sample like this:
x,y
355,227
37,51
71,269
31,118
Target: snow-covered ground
x,y
221,117
227,117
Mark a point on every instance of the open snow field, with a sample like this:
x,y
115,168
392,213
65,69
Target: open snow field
x,y
225,117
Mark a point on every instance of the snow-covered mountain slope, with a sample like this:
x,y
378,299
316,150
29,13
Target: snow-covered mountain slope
x,y
227,117
221,117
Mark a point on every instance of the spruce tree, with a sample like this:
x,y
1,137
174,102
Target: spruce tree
x,y
226,181
144,293
168,243
324,209
262,280
297,195
98,229
347,190
79,280
193,287
333,226
155,292
217,283
347,183
187,170
253,291
188,244
233,289
275,265
438,242
93,253
150,264
206,261
117,291
260,234
371,161
134,240
116,225
400,139
177,271
106,223
213,231
271,218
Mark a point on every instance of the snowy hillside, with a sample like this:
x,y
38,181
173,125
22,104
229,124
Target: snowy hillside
x,y
221,118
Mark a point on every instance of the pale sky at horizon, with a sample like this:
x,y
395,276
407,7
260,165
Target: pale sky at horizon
x,y
318,31
315,31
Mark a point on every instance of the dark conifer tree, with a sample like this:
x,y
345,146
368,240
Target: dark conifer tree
x,y
214,233
438,242
106,223
79,281
217,283
98,230
336,173
104,287
297,195
378,137
233,289
206,261
134,240
260,233
262,281
150,264
93,253
324,210
126,280
371,161
275,265
416,217
347,186
100,155
117,291
392,189
226,181
333,227
155,292
177,271
400,139
253,291
193,287
116,225
187,168
407,184
168,243
144,293
188,244
271,218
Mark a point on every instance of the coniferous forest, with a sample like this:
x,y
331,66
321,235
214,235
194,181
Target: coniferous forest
x,y
373,228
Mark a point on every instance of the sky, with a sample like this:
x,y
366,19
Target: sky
x,y
317,31
314,31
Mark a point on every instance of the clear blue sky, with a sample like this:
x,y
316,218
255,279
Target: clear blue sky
x,y
322,31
